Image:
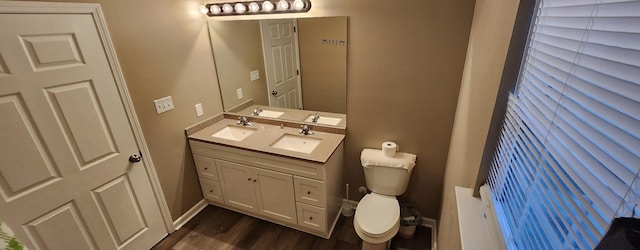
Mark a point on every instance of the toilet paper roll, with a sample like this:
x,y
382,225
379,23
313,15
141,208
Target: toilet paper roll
x,y
389,148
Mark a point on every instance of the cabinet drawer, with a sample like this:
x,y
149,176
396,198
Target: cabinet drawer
x,y
310,191
211,190
206,167
312,217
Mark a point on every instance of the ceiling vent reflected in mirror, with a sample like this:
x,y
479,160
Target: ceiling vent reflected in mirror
x,y
256,7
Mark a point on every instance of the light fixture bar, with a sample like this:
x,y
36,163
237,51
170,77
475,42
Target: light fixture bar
x,y
256,7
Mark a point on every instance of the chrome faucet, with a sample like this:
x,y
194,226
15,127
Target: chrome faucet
x,y
244,121
257,111
306,130
315,117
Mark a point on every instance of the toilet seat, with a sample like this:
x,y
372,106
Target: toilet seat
x,y
377,218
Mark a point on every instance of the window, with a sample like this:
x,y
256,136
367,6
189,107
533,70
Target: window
x,y
568,157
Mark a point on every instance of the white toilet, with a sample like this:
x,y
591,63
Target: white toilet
x,y
377,217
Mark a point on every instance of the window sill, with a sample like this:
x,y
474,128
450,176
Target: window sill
x,y
475,232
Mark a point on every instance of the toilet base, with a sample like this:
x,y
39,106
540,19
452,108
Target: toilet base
x,y
375,246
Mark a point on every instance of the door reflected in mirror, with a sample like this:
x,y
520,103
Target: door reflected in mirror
x,y
283,63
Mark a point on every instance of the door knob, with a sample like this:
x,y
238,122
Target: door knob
x,y
135,158
274,92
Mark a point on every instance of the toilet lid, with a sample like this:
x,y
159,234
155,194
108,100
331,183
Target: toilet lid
x,y
376,213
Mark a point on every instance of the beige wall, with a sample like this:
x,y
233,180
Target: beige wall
x,y
490,35
237,50
405,65
323,66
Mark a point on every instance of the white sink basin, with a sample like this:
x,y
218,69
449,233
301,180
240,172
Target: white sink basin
x,y
270,113
324,120
297,143
234,133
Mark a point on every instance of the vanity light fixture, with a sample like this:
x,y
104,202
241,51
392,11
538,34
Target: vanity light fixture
x,y
253,7
227,8
256,7
204,10
240,8
213,10
267,6
297,5
282,5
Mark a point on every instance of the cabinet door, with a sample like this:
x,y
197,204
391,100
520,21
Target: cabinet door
x,y
206,167
211,190
275,195
310,191
237,185
312,217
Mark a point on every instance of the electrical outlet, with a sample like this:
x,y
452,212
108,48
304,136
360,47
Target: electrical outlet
x,y
255,75
199,111
163,104
239,93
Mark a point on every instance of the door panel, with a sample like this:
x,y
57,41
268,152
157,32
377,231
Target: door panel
x,y
62,228
19,129
276,197
79,113
65,140
51,51
117,200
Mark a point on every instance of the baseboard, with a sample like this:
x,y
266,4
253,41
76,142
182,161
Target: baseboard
x,y
187,216
431,223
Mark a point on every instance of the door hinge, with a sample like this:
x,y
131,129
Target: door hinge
x,y
295,29
297,72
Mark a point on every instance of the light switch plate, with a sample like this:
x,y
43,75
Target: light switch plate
x,y
239,93
163,104
199,111
255,75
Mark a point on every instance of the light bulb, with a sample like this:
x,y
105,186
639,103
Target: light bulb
x,y
298,5
240,8
283,5
227,8
204,10
254,7
267,6
215,9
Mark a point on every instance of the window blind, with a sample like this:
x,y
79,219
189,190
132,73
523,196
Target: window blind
x,y
568,157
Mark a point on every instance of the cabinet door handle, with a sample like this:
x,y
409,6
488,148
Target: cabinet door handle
x,y
308,192
205,168
310,218
249,179
211,191
254,180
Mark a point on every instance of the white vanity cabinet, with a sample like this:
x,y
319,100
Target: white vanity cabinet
x,y
301,194
266,192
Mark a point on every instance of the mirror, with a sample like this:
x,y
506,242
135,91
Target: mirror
x,y
311,77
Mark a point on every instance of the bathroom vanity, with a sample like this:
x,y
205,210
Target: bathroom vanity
x,y
270,171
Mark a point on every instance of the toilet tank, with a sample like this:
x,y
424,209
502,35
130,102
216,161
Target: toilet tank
x,y
391,181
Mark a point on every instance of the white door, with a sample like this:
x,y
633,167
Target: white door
x,y
66,181
280,47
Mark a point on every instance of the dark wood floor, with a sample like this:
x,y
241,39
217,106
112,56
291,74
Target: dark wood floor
x,y
218,228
